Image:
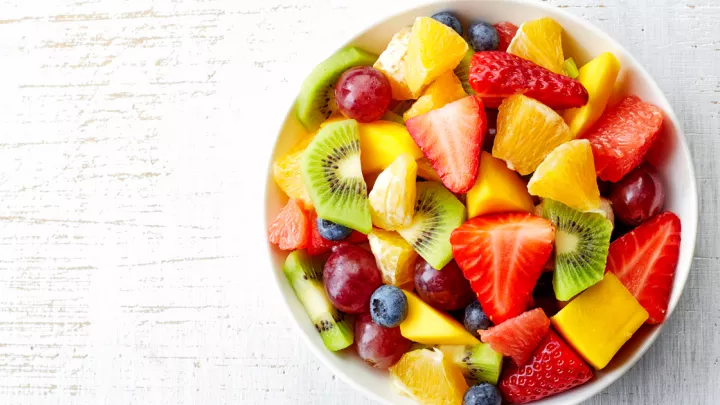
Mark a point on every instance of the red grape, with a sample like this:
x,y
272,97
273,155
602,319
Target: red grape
x,y
379,347
638,196
351,276
445,289
363,93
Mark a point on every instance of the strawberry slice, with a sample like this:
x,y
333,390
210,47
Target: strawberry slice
x,y
318,245
553,368
644,260
291,228
503,256
451,138
496,75
506,31
519,336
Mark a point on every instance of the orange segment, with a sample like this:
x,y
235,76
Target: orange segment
x,y
392,199
429,378
426,171
394,257
391,64
540,41
445,89
286,171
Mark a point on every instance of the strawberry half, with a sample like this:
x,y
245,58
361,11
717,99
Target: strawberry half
x,y
318,245
451,138
519,336
645,259
553,368
496,75
503,256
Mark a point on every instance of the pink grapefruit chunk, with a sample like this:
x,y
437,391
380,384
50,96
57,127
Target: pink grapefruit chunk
x,y
519,336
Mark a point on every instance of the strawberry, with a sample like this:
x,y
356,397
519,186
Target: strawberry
x,y
503,256
451,138
644,260
553,368
318,245
496,75
291,228
622,136
519,336
506,31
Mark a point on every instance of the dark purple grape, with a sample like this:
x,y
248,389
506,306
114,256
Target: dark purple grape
x,y
638,196
445,289
363,93
351,276
378,346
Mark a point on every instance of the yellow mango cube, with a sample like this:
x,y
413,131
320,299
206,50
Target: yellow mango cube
x,y
600,320
598,76
390,62
497,189
394,256
445,89
381,142
425,324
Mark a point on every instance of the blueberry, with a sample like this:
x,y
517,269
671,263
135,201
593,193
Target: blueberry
x,y
332,231
482,394
475,318
483,37
388,306
450,20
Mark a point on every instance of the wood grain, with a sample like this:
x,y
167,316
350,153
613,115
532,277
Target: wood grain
x,y
133,142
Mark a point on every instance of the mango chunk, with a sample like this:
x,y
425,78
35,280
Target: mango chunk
x,y
600,320
381,142
497,189
425,324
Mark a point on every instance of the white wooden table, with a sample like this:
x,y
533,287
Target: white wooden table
x,y
132,137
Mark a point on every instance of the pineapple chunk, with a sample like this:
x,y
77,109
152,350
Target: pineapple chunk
x,y
392,199
497,189
395,257
445,89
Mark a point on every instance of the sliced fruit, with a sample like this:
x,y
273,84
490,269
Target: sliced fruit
x,y
305,276
425,324
645,259
479,363
316,101
392,199
445,89
381,142
553,368
527,131
540,41
331,172
497,189
451,138
497,75
568,175
622,136
600,320
390,62
519,336
286,172
503,255
426,171
437,213
598,76
571,68
290,229
318,245
581,248
394,257
433,49
506,31
428,377
462,71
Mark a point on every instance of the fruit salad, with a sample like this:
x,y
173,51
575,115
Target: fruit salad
x,y
469,211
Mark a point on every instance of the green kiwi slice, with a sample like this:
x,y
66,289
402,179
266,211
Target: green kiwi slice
x,y
582,240
305,276
462,71
316,101
479,363
330,169
437,213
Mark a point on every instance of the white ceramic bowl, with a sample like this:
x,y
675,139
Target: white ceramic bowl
x,y
583,41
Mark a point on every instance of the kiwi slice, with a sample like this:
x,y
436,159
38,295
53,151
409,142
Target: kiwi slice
x,y
479,363
462,71
437,213
305,276
316,101
582,240
330,169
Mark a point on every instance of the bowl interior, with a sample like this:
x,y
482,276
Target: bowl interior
x,y
582,41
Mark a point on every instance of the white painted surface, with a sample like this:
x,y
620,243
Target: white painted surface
x,y
132,138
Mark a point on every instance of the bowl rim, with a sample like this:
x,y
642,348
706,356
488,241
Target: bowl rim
x,y
341,42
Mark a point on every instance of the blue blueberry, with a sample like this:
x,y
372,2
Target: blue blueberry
x,y
483,37
450,20
388,306
482,394
332,231
475,318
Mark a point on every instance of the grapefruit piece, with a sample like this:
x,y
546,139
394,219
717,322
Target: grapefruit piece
x,y
519,336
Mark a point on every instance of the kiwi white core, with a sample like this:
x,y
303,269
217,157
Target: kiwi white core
x,y
350,168
565,242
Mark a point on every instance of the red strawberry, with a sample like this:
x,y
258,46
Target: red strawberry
x,y
451,138
519,336
622,136
318,245
291,229
496,75
502,256
553,368
506,31
644,260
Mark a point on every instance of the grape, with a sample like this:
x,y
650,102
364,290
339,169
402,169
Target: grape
x,y
445,289
363,93
377,346
351,276
638,196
